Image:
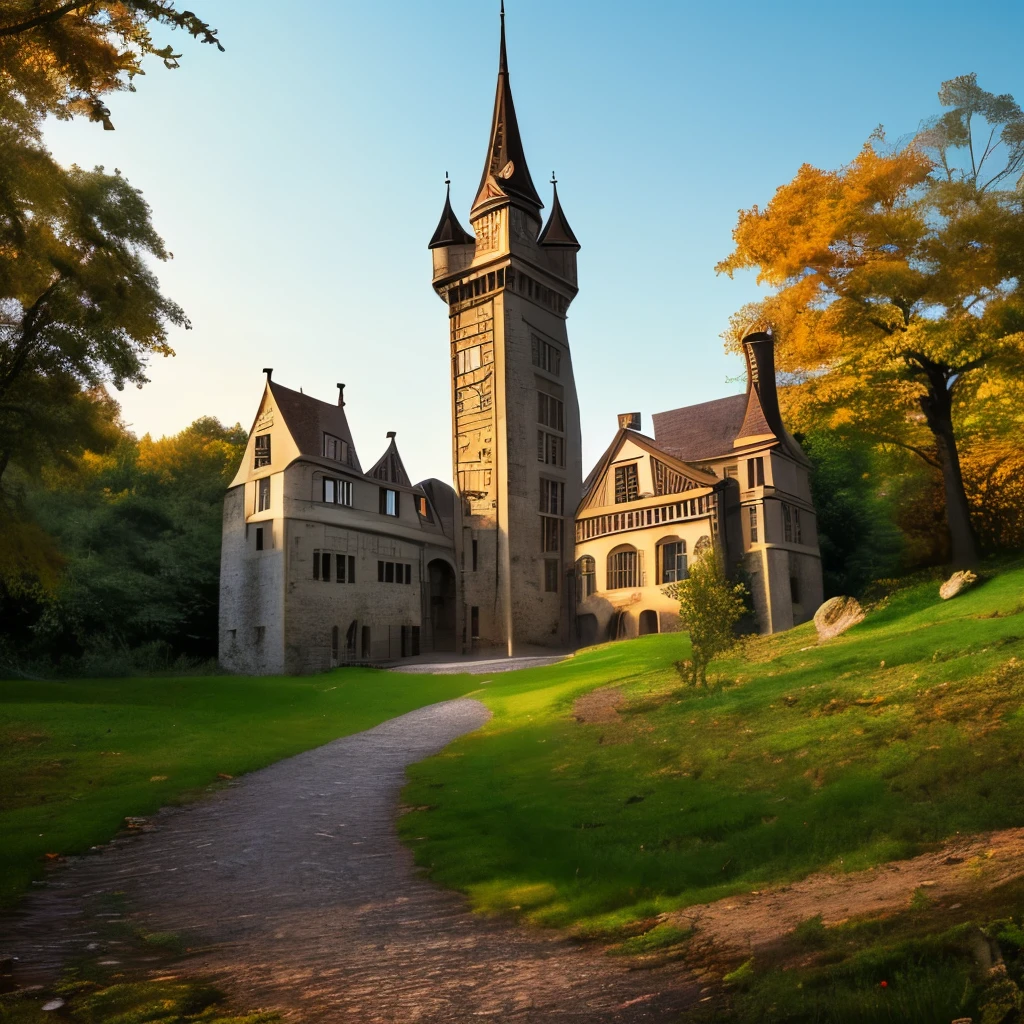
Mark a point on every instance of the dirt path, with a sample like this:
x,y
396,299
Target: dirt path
x,y
959,871
291,887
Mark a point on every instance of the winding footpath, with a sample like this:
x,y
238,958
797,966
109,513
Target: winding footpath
x,y
293,893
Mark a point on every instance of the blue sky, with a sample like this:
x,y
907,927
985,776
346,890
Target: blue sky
x,y
298,176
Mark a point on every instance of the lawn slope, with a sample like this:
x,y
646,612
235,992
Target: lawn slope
x,y
802,757
77,757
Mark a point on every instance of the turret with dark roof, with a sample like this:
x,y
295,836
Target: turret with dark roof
x,y
449,231
557,231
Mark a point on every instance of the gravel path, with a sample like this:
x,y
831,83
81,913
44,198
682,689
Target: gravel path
x,y
294,893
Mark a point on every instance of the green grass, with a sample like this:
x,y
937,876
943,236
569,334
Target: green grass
x,y
892,737
77,757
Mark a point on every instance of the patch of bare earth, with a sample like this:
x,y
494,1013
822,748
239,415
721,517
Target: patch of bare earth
x,y
599,706
958,871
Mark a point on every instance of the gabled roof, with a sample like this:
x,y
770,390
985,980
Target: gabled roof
x,y
389,466
506,175
449,231
308,419
648,444
557,231
697,433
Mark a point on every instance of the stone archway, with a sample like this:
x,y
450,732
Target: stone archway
x,y
442,604
648,622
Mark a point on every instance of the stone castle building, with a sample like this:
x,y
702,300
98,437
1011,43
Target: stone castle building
x,y
324,564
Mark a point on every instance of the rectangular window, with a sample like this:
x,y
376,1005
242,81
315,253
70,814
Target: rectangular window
x,y
316,565
388,502
259,538
262,451
340,574
337,491
550,449
325,567
474,555
546,356
627,486
755,472
380,572
794,589
263,494
389,572
474,622
422,508
552,497
752,511
351,568
468,360
551,575
335,448
550,533
408,574
787,523
797,531
550,411
673,562
622,570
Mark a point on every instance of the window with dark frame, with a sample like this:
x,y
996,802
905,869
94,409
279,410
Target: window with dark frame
x,y
388,502
474,622
623,569
627,487
263,494
337,492
394,572
546,356
794,589
550,449
588,577
673,562
550,533
336,449
752,513
262,451
797,530
259,538
755,472
787,523
550,411
551,575
552,497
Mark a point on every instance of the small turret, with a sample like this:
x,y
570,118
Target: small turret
x,y
449,230
557,231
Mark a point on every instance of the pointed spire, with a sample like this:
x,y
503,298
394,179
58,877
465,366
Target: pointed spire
x,y
506,175
557,231
449,231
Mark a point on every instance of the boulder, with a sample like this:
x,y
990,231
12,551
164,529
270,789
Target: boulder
x,y
957,583
836,616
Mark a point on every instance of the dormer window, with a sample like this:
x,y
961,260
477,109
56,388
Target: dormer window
x,y
336,448
627,484
388,502
262,451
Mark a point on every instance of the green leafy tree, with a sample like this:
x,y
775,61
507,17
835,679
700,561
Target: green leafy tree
x,y
709,608
899,285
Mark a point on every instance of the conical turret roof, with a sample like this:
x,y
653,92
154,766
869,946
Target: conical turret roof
x,y
557,231
449,230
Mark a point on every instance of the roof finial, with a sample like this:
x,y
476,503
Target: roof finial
x,y
447,180
554,180
503,61
269,371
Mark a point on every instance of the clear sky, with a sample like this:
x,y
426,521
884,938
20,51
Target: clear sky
x,y
298,176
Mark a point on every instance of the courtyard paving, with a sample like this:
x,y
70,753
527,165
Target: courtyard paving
x,y
292,892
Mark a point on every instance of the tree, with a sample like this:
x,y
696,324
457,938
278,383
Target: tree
x,y
709,608
63,57
899,284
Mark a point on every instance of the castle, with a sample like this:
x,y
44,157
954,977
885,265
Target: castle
x,y
323,563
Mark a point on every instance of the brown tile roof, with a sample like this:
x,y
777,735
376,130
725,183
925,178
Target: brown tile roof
x,y
696,433
308,419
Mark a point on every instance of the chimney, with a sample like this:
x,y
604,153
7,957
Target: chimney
x,y
629,421
269,371
759,348
341,394
392,434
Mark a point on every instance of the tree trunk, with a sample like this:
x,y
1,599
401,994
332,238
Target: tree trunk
x,y
937,407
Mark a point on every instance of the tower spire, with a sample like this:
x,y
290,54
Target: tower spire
x,y
506,176
449,231
557,231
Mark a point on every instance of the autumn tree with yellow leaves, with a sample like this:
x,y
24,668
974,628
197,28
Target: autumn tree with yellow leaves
x,y
898,293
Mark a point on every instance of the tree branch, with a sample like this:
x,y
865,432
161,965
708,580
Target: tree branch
x,y
920,452
44,19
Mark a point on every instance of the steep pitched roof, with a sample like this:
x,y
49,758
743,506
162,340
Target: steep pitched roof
x,y
506,175
557,231
389,466
308,419
652,447
697,433
449,231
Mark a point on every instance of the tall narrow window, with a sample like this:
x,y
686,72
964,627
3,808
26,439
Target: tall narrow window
x,y
551,575
550,411
752,512
623,569
627,486
259,538
337,491
474,622
262,451
755,472
388,502
787,523
797,531
673,562
550,449
339,568
588,577
552,497
474,555
325,567
550,533
316,565
335,448
351,568
263,494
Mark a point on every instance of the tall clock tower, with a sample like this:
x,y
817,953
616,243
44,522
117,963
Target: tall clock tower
x,y
515,417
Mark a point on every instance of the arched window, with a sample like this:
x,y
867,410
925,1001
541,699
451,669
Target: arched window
x,y
586,569
672,560
623,569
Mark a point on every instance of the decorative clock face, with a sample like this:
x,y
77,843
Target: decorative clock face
x,y
507,171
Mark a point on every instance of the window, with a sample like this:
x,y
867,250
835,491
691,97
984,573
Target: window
x,y
797,531
325,567
550,411
627,487
787,523
388,502
673,562
345,568
335,448
551,575
474,622
337,492
794,589
260,634
262,451
623,569
467,360
423,508
752,511
550,449
474,555
263,494
259,538
588,577
755,472
550,533
394,572
552,497
546,356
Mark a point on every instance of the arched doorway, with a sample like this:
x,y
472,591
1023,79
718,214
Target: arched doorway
x,y
648,622
442,604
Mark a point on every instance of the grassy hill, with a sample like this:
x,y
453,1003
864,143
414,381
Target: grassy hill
x,y
800,758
